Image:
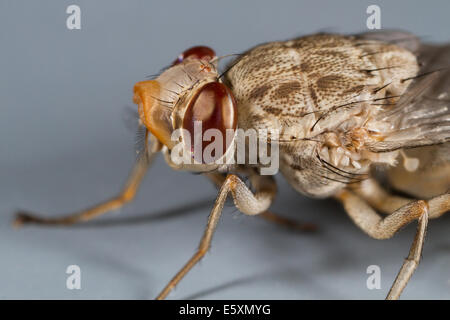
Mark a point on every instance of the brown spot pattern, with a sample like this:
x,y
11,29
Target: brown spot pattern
x,y
288,88
328,82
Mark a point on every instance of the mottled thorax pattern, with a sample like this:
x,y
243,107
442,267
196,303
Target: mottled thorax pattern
x,y
310,87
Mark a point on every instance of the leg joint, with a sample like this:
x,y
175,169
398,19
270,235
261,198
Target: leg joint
x,y
126,196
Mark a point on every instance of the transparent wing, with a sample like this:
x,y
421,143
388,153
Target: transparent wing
x,y
422,115
402,39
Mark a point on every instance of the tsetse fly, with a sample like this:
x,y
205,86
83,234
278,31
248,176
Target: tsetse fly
x,y
357,117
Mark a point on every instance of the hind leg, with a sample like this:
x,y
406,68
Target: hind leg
x,y
366,218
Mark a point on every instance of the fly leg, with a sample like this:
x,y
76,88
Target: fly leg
x,y
218,179
286,222
245,200
366,218
126,195
378,197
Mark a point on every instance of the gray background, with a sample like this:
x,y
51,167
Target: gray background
x,y
64,146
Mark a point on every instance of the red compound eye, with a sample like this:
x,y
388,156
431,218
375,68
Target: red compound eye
x,y
198,52
215,107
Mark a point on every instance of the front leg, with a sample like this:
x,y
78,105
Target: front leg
x,y
127,194
245,200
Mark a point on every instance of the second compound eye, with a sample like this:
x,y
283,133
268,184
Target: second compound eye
x,y
198,52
